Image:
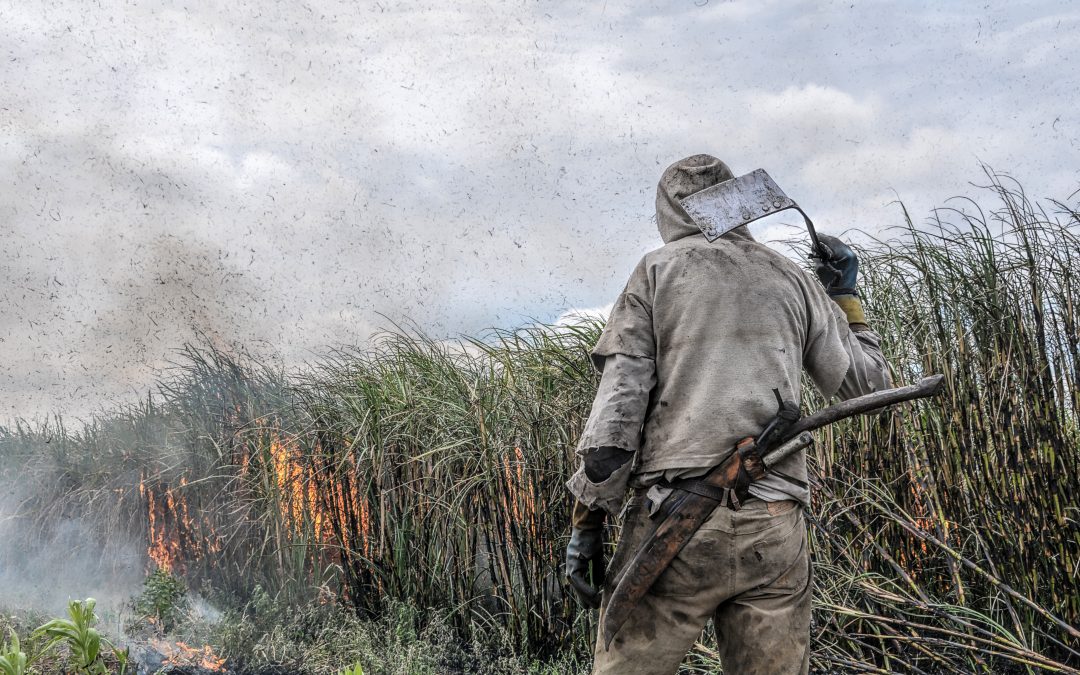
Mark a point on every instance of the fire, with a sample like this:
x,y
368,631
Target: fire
x,y
301,503
173,535
299,499
324,506
180,654
164,546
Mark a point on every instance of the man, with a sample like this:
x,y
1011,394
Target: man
x,y
695,345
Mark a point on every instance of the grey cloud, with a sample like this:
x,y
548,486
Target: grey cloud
x,y
297,175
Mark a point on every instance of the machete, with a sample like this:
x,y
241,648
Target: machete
x,y
685,511
740,201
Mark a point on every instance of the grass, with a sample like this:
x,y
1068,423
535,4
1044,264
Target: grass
x,y
429,475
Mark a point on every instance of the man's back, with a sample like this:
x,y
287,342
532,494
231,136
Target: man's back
x,y
732,320
725,322
694,347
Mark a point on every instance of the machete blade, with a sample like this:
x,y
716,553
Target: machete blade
x,y
739,201
652,558
681,516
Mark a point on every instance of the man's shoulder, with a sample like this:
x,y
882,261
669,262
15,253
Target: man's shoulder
x,y
673,249
740,248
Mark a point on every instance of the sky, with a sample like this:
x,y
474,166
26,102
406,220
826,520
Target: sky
x,y
293,176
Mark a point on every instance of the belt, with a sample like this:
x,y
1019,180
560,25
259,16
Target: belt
x,y
726,496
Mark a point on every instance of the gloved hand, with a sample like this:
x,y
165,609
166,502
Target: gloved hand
x,y
838,268
585,565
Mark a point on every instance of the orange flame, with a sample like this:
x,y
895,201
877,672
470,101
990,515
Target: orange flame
x,y
180,654
164,547
308,503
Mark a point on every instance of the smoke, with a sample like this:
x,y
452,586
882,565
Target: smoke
x,y
173,291
506,174
54,555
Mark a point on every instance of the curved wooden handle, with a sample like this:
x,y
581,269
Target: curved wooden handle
x,y
926,387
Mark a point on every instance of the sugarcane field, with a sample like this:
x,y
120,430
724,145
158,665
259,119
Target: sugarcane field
x,y
396,338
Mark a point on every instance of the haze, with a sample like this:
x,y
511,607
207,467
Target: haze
x,y
292,176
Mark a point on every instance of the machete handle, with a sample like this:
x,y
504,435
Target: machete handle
x,y
803,440
925,388
822,251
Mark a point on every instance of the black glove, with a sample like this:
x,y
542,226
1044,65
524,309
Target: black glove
x,y
837,266
585,565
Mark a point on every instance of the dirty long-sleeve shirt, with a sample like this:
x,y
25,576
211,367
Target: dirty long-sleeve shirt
x,y
621,405
724,322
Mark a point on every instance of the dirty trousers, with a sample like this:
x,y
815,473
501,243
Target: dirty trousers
x,y
749,570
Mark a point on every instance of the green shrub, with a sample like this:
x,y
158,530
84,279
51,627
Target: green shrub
x,y
12,658
355,669
163,600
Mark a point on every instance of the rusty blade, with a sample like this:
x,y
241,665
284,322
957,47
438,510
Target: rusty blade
x,y
676,529
740,201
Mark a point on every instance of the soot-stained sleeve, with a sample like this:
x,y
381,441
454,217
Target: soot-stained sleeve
x,y
826,356
622,399
629,329
615,421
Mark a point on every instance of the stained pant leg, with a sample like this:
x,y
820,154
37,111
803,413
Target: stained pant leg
x,y
670,617
765,629
654,640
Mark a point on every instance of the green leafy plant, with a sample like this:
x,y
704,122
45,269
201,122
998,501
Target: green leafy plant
x,y
355,669
163,599
12,659
82,639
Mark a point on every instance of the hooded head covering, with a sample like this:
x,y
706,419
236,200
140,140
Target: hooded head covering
x,y
682,179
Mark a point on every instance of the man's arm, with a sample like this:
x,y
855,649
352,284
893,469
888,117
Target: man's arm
x,y
868,371
612,433
844,355
607,447
625,355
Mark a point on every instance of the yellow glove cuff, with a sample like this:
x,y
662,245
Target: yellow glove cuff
x,y
584,518
852,307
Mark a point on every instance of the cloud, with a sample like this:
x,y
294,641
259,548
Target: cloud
x,y
298,172
807,119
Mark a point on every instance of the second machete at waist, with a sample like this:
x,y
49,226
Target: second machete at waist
x,y
729,484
